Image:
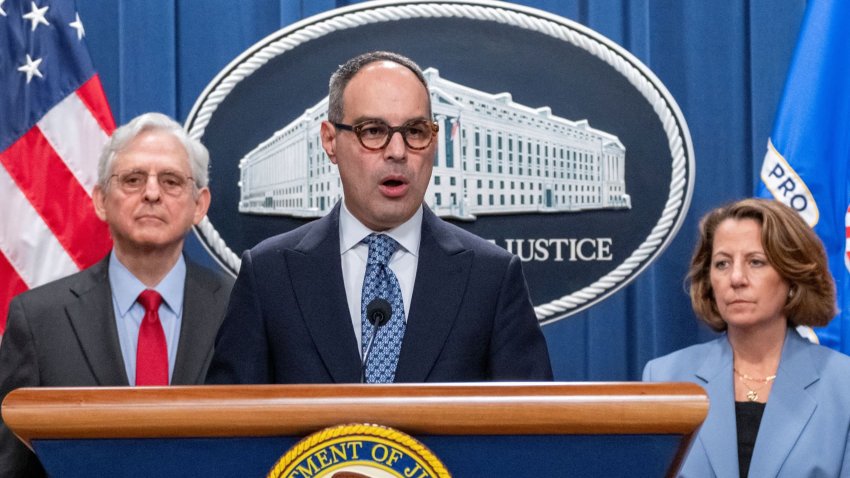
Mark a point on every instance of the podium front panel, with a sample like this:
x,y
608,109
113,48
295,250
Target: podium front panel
x,y
464,456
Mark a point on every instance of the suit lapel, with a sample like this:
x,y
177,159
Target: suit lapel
x,y
788,409
92,317
719,440
442,272
320,294
197,330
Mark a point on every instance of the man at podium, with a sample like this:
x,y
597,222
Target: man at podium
x,y
380,290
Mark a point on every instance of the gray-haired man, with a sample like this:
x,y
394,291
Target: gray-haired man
x,y
143,315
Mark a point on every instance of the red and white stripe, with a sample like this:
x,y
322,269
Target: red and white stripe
x,y
48,228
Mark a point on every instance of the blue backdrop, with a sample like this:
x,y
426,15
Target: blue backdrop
x,y
724,64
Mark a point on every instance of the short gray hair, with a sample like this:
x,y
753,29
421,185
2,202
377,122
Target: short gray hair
x,y
199,157
346,71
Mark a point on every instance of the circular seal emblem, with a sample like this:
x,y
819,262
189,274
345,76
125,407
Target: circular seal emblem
x,y
554,142
359,451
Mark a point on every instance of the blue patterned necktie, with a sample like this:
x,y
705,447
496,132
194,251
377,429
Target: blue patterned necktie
x,y
381,282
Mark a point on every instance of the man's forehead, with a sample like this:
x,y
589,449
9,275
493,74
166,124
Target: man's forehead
x,y
375,84
154,147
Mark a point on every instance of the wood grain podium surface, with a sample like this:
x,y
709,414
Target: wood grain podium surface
x,y
435,409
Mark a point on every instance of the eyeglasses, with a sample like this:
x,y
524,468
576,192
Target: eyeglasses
x,y
171,183
375,135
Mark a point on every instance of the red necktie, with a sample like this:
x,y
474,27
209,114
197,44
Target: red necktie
x,y
152,353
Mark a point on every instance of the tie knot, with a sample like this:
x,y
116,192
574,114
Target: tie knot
x,y
150,300
381,248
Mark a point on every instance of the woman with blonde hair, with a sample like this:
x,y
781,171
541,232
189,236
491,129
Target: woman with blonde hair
x,y
779,405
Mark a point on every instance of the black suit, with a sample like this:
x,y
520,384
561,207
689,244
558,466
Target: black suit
x,y
288,321
63,334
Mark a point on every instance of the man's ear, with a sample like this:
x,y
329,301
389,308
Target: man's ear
x,y
98,198
328,133
202,205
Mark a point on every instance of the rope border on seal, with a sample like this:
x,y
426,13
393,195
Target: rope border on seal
x,y
565,30
361,429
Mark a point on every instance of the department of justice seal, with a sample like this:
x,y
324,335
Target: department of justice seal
x,y
359,451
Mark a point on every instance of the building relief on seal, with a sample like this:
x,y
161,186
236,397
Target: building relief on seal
x,y
494,156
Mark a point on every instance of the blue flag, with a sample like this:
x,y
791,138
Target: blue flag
x,y
806,165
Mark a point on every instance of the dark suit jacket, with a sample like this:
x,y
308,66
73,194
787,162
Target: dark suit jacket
x,y
63,334
288,321
805,430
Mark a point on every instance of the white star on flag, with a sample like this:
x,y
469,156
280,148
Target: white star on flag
x,y
51,133
2,12
31,68
36,16
77,25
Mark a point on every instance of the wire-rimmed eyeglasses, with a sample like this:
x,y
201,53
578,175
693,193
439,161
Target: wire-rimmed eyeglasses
x,y
170,182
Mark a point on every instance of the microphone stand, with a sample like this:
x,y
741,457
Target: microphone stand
x,y
378,313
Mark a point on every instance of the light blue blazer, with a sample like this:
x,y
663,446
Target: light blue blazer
x,y
805,430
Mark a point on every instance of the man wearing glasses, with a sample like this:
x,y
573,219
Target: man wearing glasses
x,y
380,290
143,315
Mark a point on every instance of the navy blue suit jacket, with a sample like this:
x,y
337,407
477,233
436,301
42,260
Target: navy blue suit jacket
x,y
288,321
805,430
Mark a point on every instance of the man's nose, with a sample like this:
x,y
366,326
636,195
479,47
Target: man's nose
x,y
152,189
396,149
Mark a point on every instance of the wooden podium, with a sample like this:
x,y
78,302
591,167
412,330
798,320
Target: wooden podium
x,y
477,430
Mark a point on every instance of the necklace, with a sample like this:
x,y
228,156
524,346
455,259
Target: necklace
x,y
752,392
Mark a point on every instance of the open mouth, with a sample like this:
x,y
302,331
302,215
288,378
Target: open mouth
x,y
393,187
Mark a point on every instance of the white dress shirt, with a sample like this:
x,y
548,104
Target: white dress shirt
x,y
355,253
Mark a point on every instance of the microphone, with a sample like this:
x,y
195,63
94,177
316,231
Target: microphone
x,y
378,313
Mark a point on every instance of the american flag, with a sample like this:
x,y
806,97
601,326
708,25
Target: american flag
x,y
54,119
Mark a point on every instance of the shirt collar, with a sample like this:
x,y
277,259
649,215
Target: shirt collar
x,y
352,231
126,287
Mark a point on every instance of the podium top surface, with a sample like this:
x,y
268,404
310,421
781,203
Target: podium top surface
x,y
435,409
